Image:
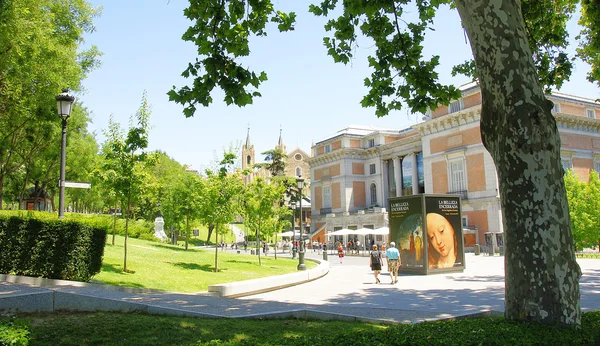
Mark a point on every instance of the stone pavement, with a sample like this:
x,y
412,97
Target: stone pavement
x,y
347,292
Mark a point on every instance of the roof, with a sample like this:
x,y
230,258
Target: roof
x,y
362,131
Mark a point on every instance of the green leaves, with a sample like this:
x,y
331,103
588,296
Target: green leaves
x,y
221,31
584,209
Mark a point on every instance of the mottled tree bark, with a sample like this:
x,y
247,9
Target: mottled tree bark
x,y
519,131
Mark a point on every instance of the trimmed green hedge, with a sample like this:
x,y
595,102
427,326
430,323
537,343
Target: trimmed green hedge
x,y
50,248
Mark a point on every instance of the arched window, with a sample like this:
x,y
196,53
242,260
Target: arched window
x,y
373,194
248,159
298,171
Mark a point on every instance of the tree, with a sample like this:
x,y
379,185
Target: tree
x,y
220,203
40,54
275,161
517,126
584,209
183,201
122,155
262,209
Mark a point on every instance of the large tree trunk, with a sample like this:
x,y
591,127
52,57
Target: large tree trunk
x,y
519,131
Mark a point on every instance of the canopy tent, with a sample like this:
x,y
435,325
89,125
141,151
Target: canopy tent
x,y
381,231
343,231
287,234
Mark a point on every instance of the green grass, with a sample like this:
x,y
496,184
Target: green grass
x,y
139,329
171,268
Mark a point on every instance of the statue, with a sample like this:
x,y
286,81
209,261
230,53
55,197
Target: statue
x,y
159,226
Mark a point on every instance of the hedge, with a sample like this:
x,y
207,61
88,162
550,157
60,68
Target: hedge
x,y
50,248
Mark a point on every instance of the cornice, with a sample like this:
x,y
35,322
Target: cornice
x,y
578,123
364,153
449,121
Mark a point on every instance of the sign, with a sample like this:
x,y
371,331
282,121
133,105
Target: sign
x,y
78,185
427,231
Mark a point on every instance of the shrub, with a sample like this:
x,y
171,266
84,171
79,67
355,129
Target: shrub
x,y
50,248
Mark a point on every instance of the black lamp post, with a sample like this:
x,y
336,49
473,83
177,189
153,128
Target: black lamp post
x,y
301,265
64,103
293,205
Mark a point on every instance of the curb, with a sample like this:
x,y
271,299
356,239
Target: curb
x,y
255,286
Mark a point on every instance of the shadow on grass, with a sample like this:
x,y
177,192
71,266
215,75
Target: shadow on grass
x,y
194,266
241,262
109,268
171,247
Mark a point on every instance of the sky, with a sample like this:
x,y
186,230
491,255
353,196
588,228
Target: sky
x,y
307,97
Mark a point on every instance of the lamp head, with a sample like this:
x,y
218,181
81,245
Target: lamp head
x,y
64,103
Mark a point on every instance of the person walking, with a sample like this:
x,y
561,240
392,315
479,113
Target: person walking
x,y
375,263
340,251
393,256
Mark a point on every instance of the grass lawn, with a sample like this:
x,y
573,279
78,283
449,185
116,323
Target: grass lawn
x,y
139,329
172,268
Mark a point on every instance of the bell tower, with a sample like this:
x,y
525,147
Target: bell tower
x,y
248,152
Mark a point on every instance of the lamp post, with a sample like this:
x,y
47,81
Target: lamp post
x,y
64,103
293,205
301,265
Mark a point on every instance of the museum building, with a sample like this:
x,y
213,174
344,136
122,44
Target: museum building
x,y
355,171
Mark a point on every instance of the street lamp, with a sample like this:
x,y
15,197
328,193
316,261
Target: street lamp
x,y
293,205
64,103
301,265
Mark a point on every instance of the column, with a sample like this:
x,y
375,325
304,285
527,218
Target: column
x,y
384,184
415,174
398,175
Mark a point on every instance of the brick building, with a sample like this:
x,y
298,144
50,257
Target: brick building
x,y
356,170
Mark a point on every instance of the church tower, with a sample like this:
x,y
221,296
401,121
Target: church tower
x,y
248,153
280,144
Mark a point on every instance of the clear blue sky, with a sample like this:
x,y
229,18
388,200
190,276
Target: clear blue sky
x,y
307,95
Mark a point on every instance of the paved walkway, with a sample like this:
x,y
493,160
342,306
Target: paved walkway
x,y
348,292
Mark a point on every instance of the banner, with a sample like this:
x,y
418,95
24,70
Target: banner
x,y
406,230
444,232
407,172
420,172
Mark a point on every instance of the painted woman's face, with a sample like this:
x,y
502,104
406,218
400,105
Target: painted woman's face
x,y
440,233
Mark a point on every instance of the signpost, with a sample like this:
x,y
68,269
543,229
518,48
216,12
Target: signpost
x,y
78,185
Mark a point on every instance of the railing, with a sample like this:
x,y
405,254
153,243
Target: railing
x,y
463,194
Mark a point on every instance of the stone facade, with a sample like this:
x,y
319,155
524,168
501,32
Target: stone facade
x,y
442,154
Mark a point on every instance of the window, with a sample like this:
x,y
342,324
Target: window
x,y
455,106
465,221
372,168
248,159
328,148
298,157
590,113
373,194
371,143
597,166
566,163
326,196
458,178
556,108
298,171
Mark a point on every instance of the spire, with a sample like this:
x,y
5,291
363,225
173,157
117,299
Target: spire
x,y
248,137
280,143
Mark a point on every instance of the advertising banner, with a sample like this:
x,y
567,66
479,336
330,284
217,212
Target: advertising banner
x,y
406,230
420,172
443,232
407,172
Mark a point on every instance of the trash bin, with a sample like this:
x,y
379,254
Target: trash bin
x,y
325,255
477,249
253,252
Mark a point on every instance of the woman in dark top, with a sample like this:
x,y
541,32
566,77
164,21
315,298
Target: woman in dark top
x,y
375,263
